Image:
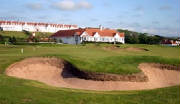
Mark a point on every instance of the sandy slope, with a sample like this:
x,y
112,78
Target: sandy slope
x,y
50,71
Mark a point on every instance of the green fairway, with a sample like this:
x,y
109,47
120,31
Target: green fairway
x,y
94,58
88,57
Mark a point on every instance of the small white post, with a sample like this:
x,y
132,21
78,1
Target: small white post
x,y
22,50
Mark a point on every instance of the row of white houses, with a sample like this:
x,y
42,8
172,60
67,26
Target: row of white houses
x,y
77,36
34,27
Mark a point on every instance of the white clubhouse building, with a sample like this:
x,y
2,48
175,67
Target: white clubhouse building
x,y
34,27
89,35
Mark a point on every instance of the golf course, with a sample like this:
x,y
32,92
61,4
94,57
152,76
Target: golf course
x,y
119,59
90,52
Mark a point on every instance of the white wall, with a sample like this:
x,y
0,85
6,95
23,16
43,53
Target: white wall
x,y
169,44
98,38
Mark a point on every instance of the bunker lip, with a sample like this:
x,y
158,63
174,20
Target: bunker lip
x,y
137,77
55,72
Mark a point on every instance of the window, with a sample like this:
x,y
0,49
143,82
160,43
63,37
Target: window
x,y
84,38
102,39
95,39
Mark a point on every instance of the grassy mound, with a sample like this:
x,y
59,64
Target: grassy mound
x,y
118,64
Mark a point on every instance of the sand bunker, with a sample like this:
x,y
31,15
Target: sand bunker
x,y
52,72
126,49
136,49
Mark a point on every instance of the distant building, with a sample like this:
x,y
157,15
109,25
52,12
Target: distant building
x,y
178,42
88,35
34,27
168,42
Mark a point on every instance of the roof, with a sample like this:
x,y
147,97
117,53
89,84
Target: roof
x,y
89,31
37,23
168,42
67,33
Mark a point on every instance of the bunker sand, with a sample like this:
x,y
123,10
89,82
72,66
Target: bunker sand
x,y
51,71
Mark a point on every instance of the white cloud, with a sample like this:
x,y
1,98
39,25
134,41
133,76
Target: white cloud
x,y
84,4
150,30
65,5
161,31
129,28
69,5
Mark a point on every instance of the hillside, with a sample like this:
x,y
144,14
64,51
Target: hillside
x,y
23,34
133,37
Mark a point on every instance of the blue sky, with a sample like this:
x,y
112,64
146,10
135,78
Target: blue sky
x,y
160,17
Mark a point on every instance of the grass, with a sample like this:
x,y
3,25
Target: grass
x,y
88,57
22,34
91,57
17,91
127,64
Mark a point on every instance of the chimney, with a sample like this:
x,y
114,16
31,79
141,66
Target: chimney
x,y
100,27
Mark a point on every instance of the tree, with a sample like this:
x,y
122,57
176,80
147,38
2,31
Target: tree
x,y
135,39
143,39
10,40
127,38
130,37
27,33
14,40
1,38
158,39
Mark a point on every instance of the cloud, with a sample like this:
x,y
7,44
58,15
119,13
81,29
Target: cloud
x,y
149,30
135,24
84,4
165,8
69,5
65,5
168,31
34,6
129,28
